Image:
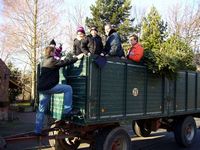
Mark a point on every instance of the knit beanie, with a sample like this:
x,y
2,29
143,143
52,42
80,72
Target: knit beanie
x,y
80,29
52,43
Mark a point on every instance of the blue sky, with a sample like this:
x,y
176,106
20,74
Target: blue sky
x,y
161,5
1,11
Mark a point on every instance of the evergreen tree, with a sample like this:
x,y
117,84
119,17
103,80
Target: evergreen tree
x,y
177,54
152,36
16,77
116,12
163,54
153,30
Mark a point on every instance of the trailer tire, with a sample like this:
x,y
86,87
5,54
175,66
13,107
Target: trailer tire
x,y
141,128
63,144
52,142
69,143
99,139
185,131
117,138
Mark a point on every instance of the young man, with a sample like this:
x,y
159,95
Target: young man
x,y
48,85
136,51
113,45
97,41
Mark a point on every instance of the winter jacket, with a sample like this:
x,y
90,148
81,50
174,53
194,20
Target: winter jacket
x,y
136,53
49,74
85,46
113,45
98,45
77,47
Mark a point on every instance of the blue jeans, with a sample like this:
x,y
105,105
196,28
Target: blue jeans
x,y
46,97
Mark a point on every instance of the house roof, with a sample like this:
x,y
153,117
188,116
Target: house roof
x,y
4,68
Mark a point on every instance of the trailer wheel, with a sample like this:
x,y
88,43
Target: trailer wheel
x,y
69,143
52,142
117,139
185,131
141,128
64,144
99,139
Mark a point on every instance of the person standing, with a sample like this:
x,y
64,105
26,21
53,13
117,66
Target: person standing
x,y
113,45
48,85
136,51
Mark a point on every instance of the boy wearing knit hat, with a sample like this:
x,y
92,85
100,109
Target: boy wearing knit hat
x,y
82,44
98,45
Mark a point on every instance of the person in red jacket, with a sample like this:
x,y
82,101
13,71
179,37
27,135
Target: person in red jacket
x,y
136,51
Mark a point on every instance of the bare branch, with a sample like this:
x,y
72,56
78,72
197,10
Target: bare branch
x,y
185,21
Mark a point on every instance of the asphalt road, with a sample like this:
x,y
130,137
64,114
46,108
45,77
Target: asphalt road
x,y
160,140
156,141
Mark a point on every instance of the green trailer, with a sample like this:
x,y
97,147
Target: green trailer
x,y
122,92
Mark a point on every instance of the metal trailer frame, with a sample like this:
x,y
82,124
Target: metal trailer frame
x,y
105,133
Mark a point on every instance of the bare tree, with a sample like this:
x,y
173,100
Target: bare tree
x,y
29,25
138,14
4,55
7,47
184,20
75,17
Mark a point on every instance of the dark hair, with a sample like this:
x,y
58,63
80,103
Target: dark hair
x,y
52,42
93,28
48,50
134,36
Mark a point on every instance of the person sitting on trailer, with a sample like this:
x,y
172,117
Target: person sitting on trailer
x,y
48,85
136,51
96,39
82,43
113,46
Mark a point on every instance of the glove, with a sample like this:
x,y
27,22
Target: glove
x,y
80,56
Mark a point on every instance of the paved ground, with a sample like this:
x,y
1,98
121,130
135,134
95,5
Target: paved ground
x,y
25,122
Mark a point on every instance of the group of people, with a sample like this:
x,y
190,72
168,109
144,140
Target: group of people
x,y
48,82
93,44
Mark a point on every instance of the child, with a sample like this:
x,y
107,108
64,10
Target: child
x,y
58,50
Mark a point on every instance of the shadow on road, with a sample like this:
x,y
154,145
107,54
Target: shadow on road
x,y
25,122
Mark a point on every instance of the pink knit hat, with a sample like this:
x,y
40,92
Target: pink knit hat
x,y
80,29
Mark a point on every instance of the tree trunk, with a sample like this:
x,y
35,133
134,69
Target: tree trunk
x,y
34,91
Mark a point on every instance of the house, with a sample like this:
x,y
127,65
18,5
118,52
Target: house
x,y
4,86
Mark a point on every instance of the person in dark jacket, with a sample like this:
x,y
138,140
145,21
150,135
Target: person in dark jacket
x,y
98,45
82,43
113,45
48,85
